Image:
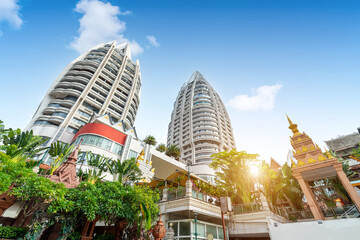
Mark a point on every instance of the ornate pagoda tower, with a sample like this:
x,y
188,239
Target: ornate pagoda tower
x,y
313,164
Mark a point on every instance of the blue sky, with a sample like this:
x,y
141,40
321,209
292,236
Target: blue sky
x,y
264,58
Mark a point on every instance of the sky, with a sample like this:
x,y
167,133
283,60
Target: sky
x,y
265,59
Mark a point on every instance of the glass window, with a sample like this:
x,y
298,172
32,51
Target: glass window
x,y
84,114
132,154
184,229
54,105
117,148
90,107
99,141
211,229
43,122
221,233
82,123
175,227
200,229
60,114
71,130
71,98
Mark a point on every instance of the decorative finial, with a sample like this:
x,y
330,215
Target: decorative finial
x,y
293,127
289,120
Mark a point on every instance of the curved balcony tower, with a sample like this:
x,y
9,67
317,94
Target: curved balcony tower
x,y
200,125
102,80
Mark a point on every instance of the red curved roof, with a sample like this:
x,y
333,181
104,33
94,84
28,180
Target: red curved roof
x,y
102,130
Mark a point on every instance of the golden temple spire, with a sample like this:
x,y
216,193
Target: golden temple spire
x,y
293,127
289,120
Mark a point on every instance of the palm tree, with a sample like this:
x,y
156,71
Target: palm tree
x,y
173,151
126,172
97,166
149,139
161,147
19,146
59,151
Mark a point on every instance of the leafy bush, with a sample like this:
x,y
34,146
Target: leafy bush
x,y
12,232
104,237
74,236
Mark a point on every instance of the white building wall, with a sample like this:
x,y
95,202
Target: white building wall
x,y
327,230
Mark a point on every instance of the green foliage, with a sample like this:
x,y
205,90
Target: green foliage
x,y
173,151
106,201
19,146
103,237
356,152
209,189
99,165
74,236
59,151
233,174
8,232
127,171
149,139
280,185
161,147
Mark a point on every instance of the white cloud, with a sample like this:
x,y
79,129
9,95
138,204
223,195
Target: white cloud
x,y
263,98
152,40
9,12
100,24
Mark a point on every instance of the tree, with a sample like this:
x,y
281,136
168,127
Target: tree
x,y
173,151
19,146
280,185
126,172
107,201
59,151
149,139
97,166
161,147
233,174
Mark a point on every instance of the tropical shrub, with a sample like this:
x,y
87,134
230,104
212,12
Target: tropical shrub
x,y
12,232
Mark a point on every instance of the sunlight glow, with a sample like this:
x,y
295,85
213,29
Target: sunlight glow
x,y
254,170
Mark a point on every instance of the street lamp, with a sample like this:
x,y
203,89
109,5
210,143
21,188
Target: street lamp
x,y
195,220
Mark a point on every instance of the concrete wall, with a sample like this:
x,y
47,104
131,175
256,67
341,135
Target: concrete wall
x,y
328,230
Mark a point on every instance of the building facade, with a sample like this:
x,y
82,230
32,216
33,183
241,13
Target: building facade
x,y
200,125
344,145
102,80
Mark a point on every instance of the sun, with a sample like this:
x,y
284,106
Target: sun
x,y
254,170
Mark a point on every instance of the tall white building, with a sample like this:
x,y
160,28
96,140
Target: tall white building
x,y
200,125
102,80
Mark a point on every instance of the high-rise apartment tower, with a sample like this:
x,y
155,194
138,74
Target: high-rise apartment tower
x,y
102,80
200,125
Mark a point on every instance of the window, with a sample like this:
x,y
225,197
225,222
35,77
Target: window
x,y
185,229
82,123
211,229
43,122
84,114
132,154
200,229
117,148
95,141
59,114
54,105
90,107
71,130
71,98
